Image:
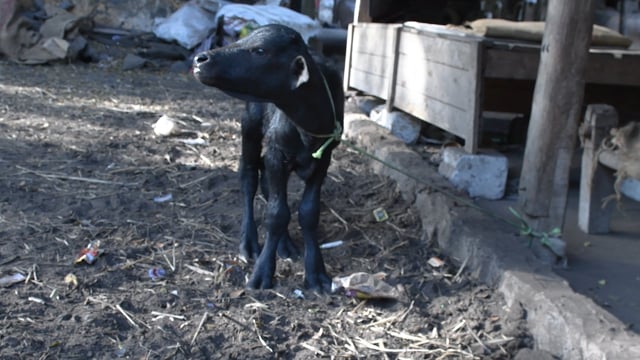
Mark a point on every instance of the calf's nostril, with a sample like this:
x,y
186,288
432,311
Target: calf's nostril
x,y
201,58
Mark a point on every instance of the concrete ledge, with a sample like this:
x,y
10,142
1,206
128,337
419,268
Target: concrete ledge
x,y
566,324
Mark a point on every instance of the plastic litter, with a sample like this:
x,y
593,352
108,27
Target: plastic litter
x,y
89,253
197,141
380,214
298,294
163,198
435,262
156,273
71,280
9,280
188,26
238,17
332,244
362,285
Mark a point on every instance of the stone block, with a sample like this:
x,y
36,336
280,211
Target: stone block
x,y
403,126
481,175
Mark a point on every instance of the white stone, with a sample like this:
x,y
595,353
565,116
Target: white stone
x,y
165,126
403,126
481,175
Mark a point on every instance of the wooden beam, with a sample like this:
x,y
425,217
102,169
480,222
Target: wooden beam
x,y
555,113
361,11
596,181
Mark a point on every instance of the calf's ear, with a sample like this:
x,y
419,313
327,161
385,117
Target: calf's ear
x,y
299,72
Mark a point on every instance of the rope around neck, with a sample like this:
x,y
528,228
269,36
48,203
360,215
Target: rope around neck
x,y
337,132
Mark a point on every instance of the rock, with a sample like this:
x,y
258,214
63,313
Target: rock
x,y
403,126
133,62
481,175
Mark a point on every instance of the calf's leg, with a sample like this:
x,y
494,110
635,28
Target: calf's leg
x,y
277,221
250,165
315,275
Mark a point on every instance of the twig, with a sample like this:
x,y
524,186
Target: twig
x,y
126,315
456,278
343,221
160,315
186,185
397,317
199,270
484,346
235,321
314,349
204,317
129,318
371,346
171,266
260,337
75,178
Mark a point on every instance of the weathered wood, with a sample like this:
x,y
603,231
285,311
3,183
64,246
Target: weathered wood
x,y
596,181
617,67
346,78
555,112
438,81
372,55
393,70
361,11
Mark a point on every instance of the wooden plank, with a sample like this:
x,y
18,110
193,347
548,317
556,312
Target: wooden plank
x,y
510,64
371,83
445,83
452,119
377,65
615,67
371,54
347,59
361,11
375,39
557,106
596,182
438,81
393,71
457,53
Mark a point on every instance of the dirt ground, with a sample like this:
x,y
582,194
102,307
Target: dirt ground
x,y
79,163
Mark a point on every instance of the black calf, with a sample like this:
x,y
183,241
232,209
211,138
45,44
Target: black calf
x,y
296,104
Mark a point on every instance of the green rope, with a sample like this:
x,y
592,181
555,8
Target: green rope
x,y
337,132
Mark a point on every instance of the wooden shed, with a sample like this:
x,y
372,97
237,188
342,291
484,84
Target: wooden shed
x,y
448,77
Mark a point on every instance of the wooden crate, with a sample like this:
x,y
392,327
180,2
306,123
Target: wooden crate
x,y
448,78
429,74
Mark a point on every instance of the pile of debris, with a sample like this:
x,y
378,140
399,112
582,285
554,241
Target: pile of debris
x,y
37,32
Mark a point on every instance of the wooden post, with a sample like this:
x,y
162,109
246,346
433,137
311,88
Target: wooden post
x,y
596,181
361,11
556,110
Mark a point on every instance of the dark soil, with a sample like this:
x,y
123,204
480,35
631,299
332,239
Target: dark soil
x,y
79,163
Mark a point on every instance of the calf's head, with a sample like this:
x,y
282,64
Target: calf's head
x,y
266,66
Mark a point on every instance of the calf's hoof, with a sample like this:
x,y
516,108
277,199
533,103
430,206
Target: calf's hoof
x,y
249,250
262,276
259,281
319,282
